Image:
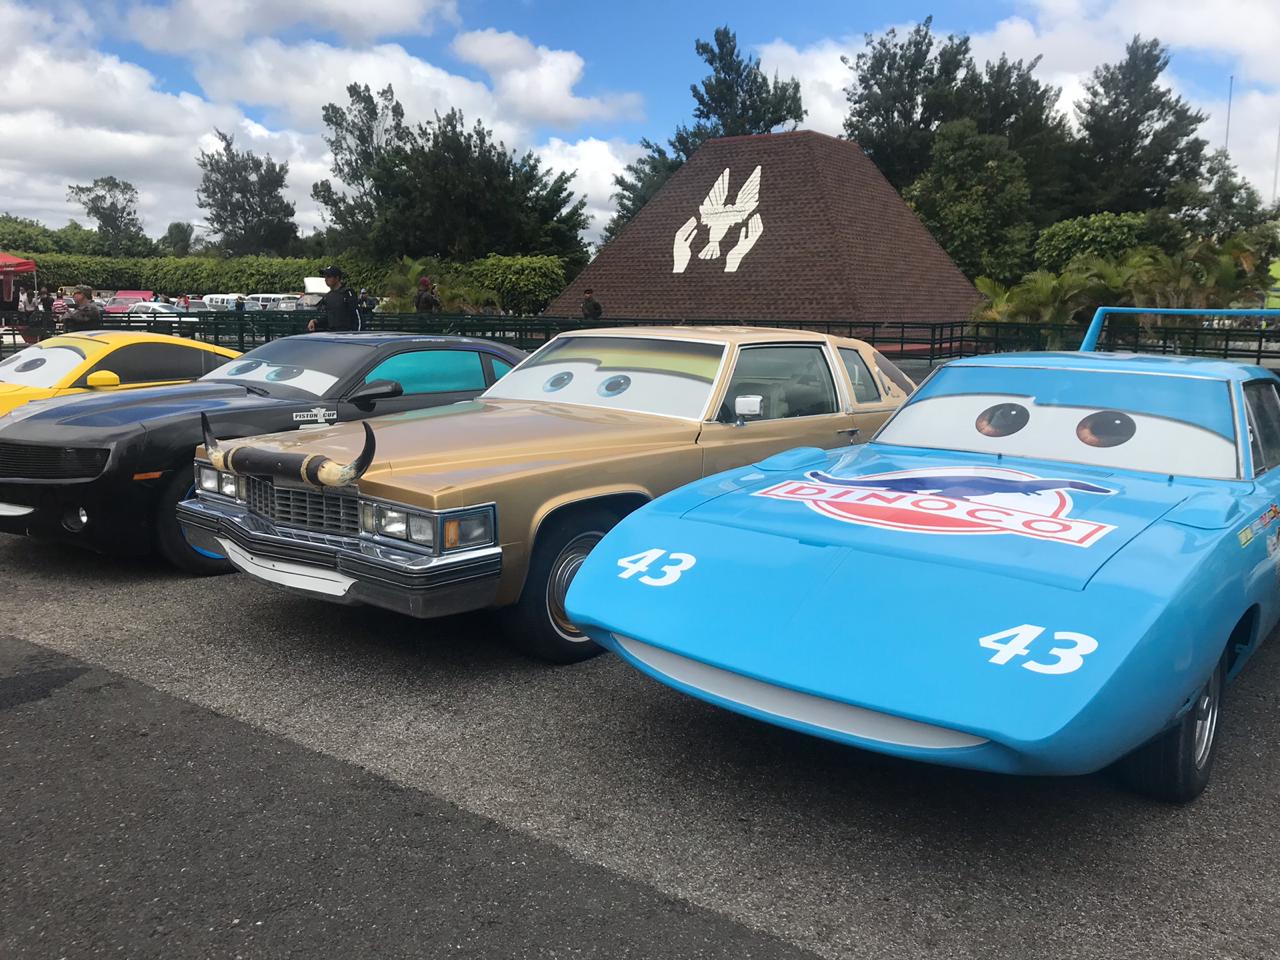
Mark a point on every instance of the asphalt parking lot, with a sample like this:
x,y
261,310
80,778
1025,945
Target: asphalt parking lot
x,y
213,768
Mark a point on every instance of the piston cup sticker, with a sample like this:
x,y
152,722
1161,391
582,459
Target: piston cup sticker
x,y
951,500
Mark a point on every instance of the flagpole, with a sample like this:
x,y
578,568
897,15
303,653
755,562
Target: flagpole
x,y
1231,84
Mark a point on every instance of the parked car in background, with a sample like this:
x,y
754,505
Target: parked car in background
x,y
497,502
152,309
102,360
133,451
193,306
124,299
1042,564
287,302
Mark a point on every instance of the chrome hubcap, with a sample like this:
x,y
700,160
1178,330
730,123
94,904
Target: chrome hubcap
x,y
1206,719
562,573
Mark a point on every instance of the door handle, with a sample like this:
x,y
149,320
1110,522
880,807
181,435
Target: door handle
x,y
851,431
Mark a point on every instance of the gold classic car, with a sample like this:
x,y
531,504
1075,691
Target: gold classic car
x,y
496,502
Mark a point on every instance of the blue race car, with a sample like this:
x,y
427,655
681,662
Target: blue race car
x,y
1044,563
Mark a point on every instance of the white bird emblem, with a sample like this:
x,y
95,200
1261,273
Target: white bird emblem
x,y
718,215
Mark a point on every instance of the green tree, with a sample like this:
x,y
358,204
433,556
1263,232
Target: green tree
x,y
113,203
1107,235
902,90
360,138
176,241
455,192
29,236
78,239
242,195
1223,205
1137,137
734,99
974,198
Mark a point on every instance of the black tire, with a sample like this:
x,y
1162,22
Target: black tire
x,y
1176,765
537,624
170,540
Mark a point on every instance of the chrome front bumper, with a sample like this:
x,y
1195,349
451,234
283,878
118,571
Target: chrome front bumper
x,y
345,569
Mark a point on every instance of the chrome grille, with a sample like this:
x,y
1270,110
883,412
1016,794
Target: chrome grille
x,y
33,462
305,509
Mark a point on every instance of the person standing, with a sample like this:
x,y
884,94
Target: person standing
x,y
426,300
338,306
592,309
87,315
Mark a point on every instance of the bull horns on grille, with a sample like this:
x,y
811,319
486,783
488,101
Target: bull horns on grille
x,y
215,453
308,467
331,474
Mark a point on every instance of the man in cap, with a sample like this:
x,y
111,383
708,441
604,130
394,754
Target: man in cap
x,y
87,315
426,300
338,306
591,307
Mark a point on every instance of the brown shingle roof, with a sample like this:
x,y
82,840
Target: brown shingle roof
x,y
837,243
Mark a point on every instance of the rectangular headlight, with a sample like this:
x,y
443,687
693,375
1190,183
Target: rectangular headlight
x,y
422,529
391,523
208,478
227,484
471,530
366,517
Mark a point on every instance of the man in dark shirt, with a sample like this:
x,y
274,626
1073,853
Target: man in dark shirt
x,y
338,306
87,315
591,307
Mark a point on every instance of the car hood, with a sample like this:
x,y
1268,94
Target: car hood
x,y
442,445
1053,523
94,412
897,632
14,395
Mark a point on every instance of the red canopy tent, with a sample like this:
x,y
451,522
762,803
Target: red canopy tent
x,y
11,266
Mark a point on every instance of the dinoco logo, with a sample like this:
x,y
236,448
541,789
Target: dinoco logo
x,y
951,501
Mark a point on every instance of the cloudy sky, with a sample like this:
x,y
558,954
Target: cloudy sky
x,y
135,88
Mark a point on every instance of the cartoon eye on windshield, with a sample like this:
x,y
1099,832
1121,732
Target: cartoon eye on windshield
x,y
33,364
1002,420
283,373
558,381
246,367
1107,428
614,385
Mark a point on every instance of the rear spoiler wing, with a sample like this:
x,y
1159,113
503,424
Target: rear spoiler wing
x,y
1090,342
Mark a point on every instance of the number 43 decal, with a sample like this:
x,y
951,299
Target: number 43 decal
x,y
640,562
1069,658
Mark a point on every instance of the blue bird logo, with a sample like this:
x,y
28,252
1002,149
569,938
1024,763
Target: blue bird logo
x,y
959,486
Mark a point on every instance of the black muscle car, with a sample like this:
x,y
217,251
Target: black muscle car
x,y
107,470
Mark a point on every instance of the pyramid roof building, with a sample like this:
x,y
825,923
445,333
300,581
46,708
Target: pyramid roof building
x,y
787,226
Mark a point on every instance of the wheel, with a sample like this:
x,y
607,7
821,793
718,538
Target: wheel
x,y
1175,766
172,542
537,625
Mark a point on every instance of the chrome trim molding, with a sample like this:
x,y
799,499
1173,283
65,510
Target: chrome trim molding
x,y
805,708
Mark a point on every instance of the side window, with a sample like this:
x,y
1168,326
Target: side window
x,y
500,367
1264,423
432,371
792,381
211,361
864,386
148,362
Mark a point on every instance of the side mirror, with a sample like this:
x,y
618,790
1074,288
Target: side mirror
x,y
748,407
367,393
101,379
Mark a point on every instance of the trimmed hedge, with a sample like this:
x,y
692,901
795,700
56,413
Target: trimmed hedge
x,y
1109,235
525,284
196,275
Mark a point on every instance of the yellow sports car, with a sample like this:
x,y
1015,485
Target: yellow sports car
x,y
103,360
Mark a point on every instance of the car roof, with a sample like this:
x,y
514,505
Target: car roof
x,y
1209,367
110,339
729,335
381,338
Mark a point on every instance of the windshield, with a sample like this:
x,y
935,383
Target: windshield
x,y
123,301
43,365
294,365
1183,426
670,378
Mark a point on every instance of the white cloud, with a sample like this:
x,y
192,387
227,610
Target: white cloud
x,y
823,77
199,25
594,164
536,83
